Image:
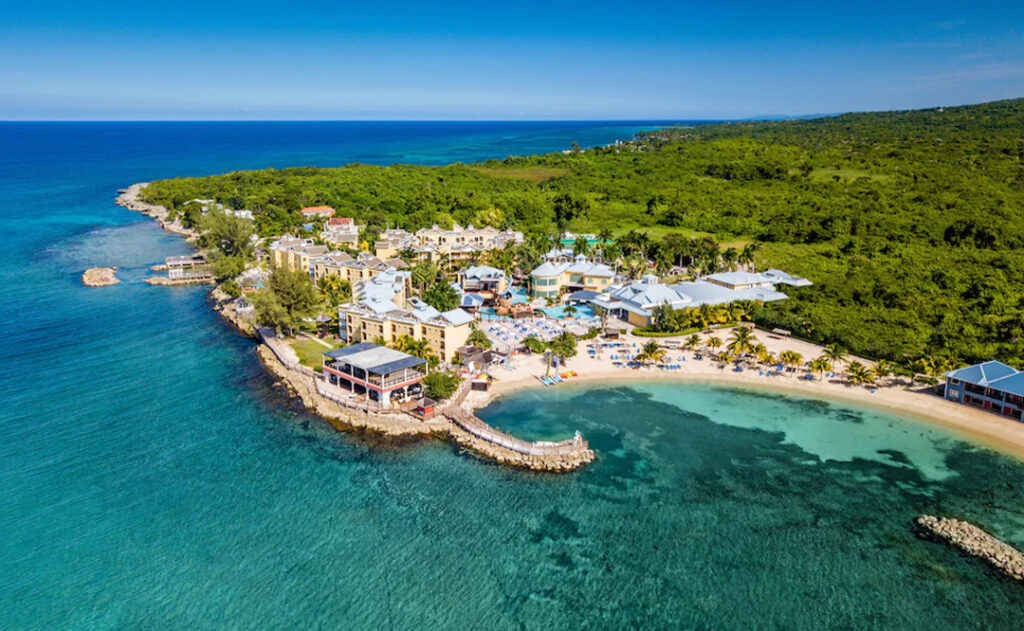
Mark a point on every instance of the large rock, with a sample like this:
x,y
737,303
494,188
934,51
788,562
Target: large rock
x,y
100,277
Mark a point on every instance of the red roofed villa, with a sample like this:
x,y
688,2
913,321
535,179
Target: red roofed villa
x,y
317,211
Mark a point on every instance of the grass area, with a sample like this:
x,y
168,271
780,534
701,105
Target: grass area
x,y
310,352
531,174
657,232
823,174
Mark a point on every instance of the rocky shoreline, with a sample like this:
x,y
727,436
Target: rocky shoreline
x,y
974,541
400,425
129,198
100,277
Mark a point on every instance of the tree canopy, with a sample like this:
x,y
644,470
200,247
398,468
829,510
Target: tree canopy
x,y
910,224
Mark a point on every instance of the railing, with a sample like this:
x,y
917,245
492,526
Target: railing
x,y
482,430
349,402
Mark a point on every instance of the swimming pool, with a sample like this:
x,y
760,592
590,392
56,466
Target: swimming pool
x,y
583,312
519,295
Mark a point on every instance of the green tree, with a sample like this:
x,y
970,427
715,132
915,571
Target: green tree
x,y
820,365
478,338
295,293
441,296
335,290
423,275
229,235
439,384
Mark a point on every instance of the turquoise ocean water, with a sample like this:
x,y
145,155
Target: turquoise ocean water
x,y
152,478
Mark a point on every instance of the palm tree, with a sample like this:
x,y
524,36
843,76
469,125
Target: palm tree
x,y
402,343
741,340
604,237
884,368
820,365
569,310
834,354
764,355
478,338
692,342
422,349
652,353
859,373
791,358
746,256
581,246
713,342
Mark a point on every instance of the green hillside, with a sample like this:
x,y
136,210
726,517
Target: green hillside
x,y
911,224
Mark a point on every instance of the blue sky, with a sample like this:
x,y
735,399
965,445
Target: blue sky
x,y
525,60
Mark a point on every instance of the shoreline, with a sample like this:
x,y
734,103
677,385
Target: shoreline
x,y
979,428
976,427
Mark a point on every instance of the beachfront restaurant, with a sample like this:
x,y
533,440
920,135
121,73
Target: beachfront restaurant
x,y
377,373
992,386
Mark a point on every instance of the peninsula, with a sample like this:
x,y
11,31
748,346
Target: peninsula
x,y
852,257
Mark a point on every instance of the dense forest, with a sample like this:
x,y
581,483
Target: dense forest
x,y
911,224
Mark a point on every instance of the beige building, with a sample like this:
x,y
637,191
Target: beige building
x,y
353,269
451,249
294,253
375,320
341,231
552,277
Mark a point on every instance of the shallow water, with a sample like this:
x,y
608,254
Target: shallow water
x,y
152,477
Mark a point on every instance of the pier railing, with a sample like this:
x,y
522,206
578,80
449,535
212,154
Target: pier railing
x,y
478,428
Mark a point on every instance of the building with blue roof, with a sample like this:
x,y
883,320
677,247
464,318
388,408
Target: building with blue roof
x,y
377,373
992,386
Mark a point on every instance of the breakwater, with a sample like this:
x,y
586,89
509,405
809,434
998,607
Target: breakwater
x,y
974,541
454,422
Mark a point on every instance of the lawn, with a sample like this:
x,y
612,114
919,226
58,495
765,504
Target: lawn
x,y
310,352
531,174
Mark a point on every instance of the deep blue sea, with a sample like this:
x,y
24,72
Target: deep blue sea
x,y
151,476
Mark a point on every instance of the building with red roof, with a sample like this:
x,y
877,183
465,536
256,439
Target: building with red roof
x,y
317,211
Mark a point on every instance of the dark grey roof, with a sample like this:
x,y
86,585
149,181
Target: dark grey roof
x,y
398,364
376,359
583,295
348,350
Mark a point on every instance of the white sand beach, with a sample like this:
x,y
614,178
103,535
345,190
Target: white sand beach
x,y
896,396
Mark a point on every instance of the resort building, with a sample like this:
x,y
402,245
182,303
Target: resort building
x,y
295,253
391,285
341,231
991,386
449,248
482,279
553,277
384,320
381,374
189,267
636,301
314,212
362,267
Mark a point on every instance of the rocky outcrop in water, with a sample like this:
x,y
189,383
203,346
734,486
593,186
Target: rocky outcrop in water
x,y
974,541
100,277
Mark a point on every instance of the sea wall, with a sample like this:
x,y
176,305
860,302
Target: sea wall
x,y
974,541
303,384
